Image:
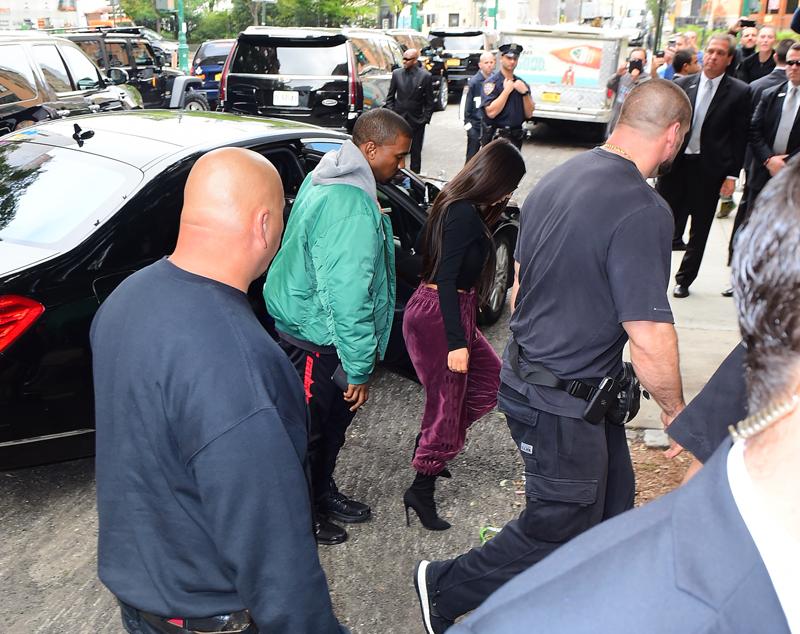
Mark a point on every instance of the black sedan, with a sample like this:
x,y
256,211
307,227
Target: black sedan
x,y
82,207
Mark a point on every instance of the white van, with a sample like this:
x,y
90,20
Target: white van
x,y
567,67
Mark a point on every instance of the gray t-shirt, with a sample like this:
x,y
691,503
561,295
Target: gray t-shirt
x,y
594,251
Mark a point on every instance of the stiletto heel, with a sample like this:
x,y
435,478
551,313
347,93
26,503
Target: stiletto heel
x,y
420,498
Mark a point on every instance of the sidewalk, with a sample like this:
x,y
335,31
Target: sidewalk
x,y
706,321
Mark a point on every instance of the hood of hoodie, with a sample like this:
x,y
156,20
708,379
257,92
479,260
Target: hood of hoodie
x,y
346,166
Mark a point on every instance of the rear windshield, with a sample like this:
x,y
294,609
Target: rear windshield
x,y
213,53
44,194
463,42
290,59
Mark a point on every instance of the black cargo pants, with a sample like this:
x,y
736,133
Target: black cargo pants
x,y
576,475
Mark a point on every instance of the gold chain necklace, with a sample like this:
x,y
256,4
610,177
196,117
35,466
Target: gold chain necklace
x,y
617,150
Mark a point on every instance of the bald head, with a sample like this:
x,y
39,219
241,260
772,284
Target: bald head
x,y
232,217
654,106
226,186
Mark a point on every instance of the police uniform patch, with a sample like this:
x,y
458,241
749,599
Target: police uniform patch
x,y
488,88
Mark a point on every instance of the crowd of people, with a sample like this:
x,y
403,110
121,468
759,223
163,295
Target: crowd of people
x,y
217,446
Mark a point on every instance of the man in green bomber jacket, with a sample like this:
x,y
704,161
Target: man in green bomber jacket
x,y
331,291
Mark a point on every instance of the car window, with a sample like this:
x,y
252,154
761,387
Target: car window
x,y
117,55
16,76
94,51
287,59
142,53
370,59
393,54
46,55
464,42
84,73
213,53
40,201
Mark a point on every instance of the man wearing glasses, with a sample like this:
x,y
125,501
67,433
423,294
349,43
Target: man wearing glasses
x,y
411,96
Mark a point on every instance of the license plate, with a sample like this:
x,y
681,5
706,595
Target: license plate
x,y
453,62
217,76
285,98
553,97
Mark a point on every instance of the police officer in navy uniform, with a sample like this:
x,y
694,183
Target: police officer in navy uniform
x,y
507,101
472,103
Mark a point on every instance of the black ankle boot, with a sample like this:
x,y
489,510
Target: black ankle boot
x,y
444,473
419,496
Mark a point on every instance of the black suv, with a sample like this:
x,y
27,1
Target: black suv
x,y
159,86
327,77
430,58
462,50
43,77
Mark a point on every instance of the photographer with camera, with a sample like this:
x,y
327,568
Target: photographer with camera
x,y
629,75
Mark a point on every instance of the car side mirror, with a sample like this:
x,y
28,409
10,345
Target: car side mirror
x,y
118,76
159,59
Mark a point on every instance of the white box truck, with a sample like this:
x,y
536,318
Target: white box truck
x,y
567,67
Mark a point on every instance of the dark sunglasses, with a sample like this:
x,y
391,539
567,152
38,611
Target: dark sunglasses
x,y
409,59
793,62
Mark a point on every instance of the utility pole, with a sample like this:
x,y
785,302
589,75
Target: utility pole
x,y
183,48
659,25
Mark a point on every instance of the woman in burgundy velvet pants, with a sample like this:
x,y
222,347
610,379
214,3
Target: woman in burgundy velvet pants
x,y
455,363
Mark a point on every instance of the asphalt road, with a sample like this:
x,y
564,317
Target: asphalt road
x,y
48,525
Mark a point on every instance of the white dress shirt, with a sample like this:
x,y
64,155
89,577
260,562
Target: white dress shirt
x,y
700,109
779,550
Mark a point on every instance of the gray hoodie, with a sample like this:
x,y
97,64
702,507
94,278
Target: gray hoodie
x,y
346,166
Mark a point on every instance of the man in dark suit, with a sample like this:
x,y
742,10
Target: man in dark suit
x,y
775,128
411,96
712,155
721,553
776,77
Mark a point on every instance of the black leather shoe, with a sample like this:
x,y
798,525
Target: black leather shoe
x,y
338,506
678,245
434,623
728,292
680,291
329,533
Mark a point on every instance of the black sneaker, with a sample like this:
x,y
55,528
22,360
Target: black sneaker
x,y
329,533
338,506
434,623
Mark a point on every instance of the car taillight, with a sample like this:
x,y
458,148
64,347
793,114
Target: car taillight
x,y
351,82
224,77
17,314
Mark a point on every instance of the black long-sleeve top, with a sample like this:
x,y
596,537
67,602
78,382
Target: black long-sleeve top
x,y
465,247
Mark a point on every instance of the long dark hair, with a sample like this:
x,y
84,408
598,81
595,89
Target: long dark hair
x,y
489,176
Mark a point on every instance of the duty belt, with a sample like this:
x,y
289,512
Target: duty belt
x,y
537,374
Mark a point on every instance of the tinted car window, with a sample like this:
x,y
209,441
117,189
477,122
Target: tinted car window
x,y
369,57
46,55
117,55
213,53
142,53
16,77
463,43
40,201
290,60
84,73
94,51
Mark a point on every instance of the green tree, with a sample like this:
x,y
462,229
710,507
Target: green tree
x,y
143,12
213,25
